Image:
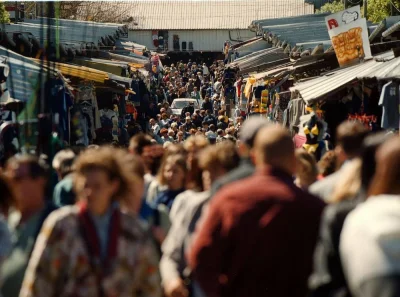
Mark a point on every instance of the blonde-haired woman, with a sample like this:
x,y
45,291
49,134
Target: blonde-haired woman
x,y
92,248
306,169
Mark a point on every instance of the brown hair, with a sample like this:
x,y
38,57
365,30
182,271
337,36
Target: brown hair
x,y
138,142
350,136
175,159
387,175
307,167
327,165
193,145
111,161
223,155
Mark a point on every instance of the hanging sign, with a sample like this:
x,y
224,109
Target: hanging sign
x,y
349,35
351,42
344,17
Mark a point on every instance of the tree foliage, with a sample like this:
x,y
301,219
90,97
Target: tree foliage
x,y
97,11
378,10
333,7
4,15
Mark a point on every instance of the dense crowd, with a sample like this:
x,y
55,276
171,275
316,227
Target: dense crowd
x,y
209,113
247,217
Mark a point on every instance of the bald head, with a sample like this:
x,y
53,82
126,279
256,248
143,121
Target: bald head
x,y
274,147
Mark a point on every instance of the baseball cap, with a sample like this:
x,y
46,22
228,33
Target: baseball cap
x,y
250,128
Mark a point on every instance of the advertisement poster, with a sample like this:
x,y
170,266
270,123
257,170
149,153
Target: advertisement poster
x,y
344,17
351,42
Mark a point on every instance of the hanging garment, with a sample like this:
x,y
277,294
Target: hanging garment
x,y
87,92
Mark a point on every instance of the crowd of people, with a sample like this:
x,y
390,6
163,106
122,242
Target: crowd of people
x,y
208,114
245,216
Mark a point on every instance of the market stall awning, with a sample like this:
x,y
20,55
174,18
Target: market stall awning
x,y
274,71
381,67
23,78
116,69
78,71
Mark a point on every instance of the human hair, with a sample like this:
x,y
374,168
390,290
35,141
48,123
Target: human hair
x,y
273,146
66,167
387,175
306,169
37,167
7,194
350,136
193,145
62,155
327,165
111,161
138,142
176,159
223,155
349,183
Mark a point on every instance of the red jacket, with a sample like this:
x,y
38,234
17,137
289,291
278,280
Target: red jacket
x,y
257,239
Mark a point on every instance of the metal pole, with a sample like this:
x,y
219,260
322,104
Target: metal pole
x,y
365,5
345,4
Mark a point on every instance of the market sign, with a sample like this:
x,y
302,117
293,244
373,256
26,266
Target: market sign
x,y
349,35
344,17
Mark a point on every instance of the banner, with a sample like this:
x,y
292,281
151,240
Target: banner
x,y
344,17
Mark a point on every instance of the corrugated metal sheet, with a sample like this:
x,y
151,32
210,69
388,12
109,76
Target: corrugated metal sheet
x,y
271,55
208,14
383,67
258,24
309,33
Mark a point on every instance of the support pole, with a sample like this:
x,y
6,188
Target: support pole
x,y
365,5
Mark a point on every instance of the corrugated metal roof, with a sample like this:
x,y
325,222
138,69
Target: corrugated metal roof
x,y
309,33
381,67
208,14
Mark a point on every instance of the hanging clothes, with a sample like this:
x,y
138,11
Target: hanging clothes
x,y
86,92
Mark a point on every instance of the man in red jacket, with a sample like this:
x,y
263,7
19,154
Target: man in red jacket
x,y
258,236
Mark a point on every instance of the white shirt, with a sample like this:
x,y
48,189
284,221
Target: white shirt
x,y
155,128
205,70
370,241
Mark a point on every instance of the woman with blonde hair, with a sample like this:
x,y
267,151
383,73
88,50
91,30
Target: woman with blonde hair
x,y
92,248
306,169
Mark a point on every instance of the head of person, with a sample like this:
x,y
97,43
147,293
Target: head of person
x,y
202,112
171,133
28,175
137,147
387,174
164,116
217,160
195,89
7,199
188,120
173,171
193,146
306,169
152,122
132,202
101,178
164,132
349,139
356,177
174,126
273,148
248,133
327,164
212,128
207,99
179,136
63,162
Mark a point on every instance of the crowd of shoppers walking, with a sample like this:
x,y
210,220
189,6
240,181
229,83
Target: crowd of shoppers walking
x,y
243,215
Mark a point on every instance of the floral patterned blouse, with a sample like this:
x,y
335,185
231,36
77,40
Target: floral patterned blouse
x,y
61,267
